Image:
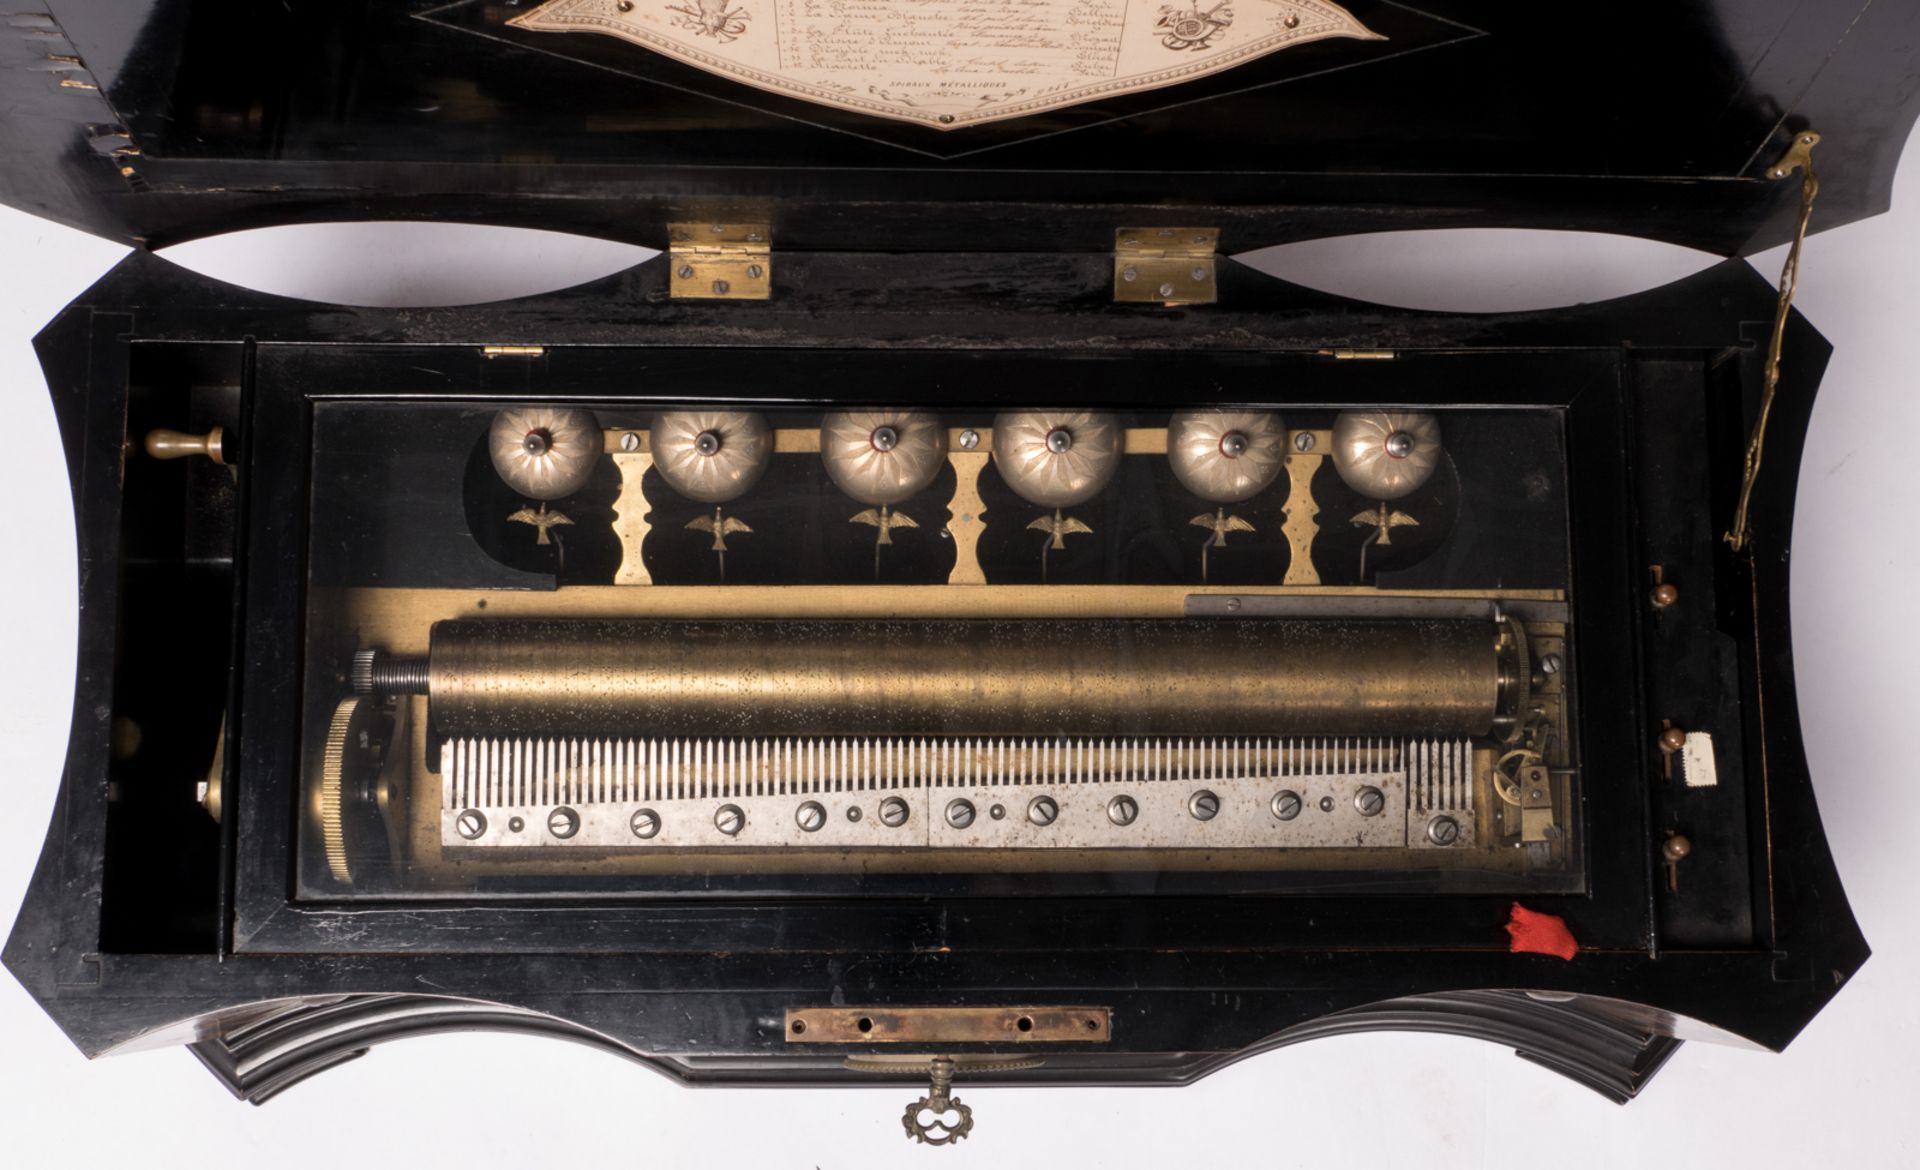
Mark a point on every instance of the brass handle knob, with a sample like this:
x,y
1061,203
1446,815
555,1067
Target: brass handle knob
x,y
167,444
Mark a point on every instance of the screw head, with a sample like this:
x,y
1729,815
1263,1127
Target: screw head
x,y
1370,801
630,441
563,822
1123,810
1204,805
884,438
960,813
754,271
730,819
1286,804
1232,605
686,272
810,816
1060,441
721,288
1166,290
1198,274
1550,664
969,440
1303,442
1043,811
894,812
1129,274
645,824
1443,830
471,824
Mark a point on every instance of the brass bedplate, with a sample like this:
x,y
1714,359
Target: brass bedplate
x,y
640,728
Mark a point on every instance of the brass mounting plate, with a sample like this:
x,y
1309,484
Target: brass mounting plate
x,y
720,261
1018,1024
1165,266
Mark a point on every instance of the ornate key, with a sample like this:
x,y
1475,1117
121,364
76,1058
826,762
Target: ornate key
x,y
939,1118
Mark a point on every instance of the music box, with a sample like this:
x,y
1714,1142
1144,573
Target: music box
x,y
943,619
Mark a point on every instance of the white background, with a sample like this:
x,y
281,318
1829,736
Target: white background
x,y
1843,1094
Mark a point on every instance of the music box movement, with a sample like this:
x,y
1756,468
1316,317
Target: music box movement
x,y
894,639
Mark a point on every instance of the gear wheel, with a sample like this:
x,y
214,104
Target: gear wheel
x,y
352,719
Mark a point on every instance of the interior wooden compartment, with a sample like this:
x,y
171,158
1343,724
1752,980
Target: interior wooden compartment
x,y
161,884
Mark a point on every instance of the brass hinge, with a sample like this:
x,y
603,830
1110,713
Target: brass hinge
x,y
721,261
1165,266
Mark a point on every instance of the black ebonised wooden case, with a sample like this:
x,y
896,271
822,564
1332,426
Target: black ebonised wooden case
x,y
941,263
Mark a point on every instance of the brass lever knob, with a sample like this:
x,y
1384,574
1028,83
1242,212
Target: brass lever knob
x,y
166,444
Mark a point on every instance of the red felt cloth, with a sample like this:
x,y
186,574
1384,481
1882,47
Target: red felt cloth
x,y
1534,933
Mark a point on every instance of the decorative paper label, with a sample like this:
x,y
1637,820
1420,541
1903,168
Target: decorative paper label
x,y
954,63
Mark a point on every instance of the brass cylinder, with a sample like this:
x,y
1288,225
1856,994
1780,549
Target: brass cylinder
x,y
1024,678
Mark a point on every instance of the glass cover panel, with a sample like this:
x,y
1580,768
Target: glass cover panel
x,y
555,650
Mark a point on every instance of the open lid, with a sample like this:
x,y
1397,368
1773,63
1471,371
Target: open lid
x,y
880,124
